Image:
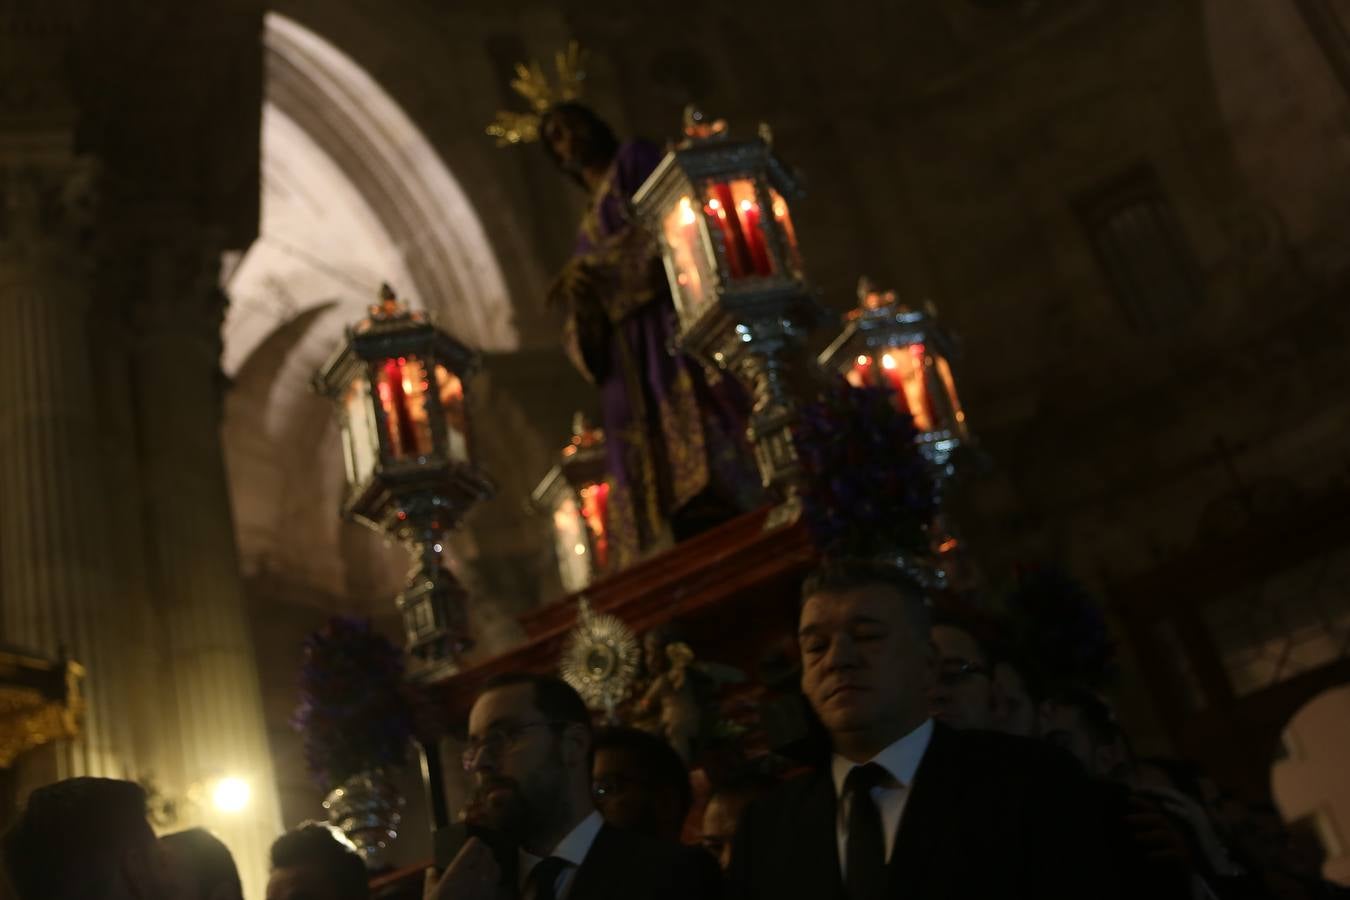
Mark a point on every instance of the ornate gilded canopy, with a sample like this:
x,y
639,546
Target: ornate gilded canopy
x,y
40,701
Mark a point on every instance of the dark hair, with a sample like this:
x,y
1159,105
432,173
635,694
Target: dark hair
x,y
658,759
70,839
553,697
1099,721
1033,680
981,632
314,845
850,574
208,859
605,144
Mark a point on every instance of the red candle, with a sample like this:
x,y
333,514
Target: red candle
x,y
754,238
396,408
594,507
722,208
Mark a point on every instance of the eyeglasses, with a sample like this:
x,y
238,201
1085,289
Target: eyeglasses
x,y
500,738
954,670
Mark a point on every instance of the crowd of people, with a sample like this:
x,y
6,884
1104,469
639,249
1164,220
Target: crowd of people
x,y
952,772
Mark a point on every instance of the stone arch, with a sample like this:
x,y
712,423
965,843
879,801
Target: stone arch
x,y
353,195
322,107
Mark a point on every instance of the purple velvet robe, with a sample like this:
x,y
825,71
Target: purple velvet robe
x,y
671,435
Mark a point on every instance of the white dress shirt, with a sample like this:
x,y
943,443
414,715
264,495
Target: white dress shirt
x,y
572,848
901,759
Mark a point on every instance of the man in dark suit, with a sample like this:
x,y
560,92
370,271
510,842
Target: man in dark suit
x,y
529,754
906,807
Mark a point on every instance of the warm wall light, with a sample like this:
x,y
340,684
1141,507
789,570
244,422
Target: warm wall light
x,y
230,795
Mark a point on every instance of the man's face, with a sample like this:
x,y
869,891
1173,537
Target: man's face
x,y
961,692
720,818
864,665
520,771
626,795
306,882
1014,712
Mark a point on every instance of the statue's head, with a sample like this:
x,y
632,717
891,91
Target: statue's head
x,y
577,139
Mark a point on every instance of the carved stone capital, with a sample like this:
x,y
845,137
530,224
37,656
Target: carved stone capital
x,y
48,208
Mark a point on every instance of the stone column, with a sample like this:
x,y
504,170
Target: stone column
x,y
210,672
56,573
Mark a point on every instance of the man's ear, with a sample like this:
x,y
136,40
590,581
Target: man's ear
x,y
930,665
576,745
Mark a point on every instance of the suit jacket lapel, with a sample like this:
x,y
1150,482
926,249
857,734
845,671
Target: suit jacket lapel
x,y
816,850
931,811
590,884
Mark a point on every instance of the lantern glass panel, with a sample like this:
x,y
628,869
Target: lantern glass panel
x,y
733,212
692,275
450,392
402,386
360,440
782,217
953,417
569,532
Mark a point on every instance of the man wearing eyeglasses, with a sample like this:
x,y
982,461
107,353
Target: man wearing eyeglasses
x,y
962,692
907,807
529,758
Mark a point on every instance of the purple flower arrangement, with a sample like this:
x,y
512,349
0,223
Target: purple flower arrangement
x,y
1058,624
867,492
354,712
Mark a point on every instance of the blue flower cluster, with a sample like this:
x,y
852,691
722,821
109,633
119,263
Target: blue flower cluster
x,y
354,712
868,491
1061,627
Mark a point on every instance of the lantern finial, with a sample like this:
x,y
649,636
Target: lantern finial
x,y
871,297
697,126
866,288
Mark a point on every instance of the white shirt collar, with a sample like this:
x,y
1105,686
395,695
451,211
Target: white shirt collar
x,y
901,759
572,848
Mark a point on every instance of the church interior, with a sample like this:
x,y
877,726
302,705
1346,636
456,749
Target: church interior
x,y
1118,232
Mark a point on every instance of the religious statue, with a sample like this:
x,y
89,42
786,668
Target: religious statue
x,y
679,702
677,457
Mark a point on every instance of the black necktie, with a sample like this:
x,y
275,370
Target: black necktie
x,y
865,858
544,877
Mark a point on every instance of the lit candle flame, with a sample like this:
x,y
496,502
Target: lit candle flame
x,y
686,212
